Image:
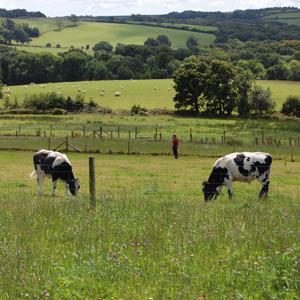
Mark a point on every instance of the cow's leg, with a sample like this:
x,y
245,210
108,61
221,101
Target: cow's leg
x,y
264,180
39,176
54,183
228,183
67,189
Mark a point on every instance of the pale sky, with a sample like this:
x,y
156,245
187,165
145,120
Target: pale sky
x,y
54,8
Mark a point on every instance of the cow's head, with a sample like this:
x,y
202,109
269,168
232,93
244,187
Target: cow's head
x,y
74,186
210,191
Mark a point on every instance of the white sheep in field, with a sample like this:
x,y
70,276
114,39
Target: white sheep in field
x,y
117,94
121,87
101,94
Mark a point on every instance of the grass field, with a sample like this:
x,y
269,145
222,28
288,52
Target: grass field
x,y
148,93
292,18
92,32
190,26
43,24
151,235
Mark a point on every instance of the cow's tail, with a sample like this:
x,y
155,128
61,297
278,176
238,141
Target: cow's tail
x,y
32,174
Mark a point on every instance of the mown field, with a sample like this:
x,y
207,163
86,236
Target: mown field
x,y
151,235
147,93
292,18
93,32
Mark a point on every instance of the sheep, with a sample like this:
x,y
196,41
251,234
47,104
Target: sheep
x,y
117,94
101,94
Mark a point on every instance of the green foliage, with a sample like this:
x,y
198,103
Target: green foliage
x,y
137,109
206,85
261,100
291,106
50,101
103,46
190,85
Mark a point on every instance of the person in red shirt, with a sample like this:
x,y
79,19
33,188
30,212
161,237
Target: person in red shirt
x,y
175,143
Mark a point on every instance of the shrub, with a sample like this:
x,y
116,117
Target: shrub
x,y
58,46
137,109
261,100
291,106
48,45
53,101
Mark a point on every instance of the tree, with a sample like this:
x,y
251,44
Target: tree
x,y
96,70
221,91
59,24
74,19
190,85
191,42
163,40
151,42
280,71
261,100
294,66
244,82
103,46
291,106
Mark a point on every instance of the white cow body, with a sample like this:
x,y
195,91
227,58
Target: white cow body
x,y
244,167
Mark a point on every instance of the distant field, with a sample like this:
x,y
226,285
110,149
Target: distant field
x,y
148,93
35,49
191,26
291,18
43,24
92,32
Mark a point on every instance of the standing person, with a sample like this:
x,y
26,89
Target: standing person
x,y
175,143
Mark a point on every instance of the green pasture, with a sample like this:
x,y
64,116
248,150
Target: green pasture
x,y
151,235
43,24
286,15
93,32
37,49
190,26
151,135
147,93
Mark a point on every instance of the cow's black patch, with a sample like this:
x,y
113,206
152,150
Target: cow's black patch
x,y
262,167
239,160
215,180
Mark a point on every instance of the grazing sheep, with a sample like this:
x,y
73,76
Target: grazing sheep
x,y
101,94
121,87
117,94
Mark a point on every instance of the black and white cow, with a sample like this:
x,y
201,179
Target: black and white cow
x,y
245,167
57,165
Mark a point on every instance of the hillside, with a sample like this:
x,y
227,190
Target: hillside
x,y
148,93
93,32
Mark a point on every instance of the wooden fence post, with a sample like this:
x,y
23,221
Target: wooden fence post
x,y
19,129
83,130
135,132
129,135
50,129
118,132
128,148
155,137
49,142
92,181
101,131
191,135
262,137
67,143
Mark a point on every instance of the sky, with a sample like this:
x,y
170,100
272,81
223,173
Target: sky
x,y
54,8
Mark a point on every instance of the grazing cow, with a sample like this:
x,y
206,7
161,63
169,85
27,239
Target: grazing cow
x,y
57,165
245,167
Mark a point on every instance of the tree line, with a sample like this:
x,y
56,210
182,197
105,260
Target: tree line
x,y
20,33
155,59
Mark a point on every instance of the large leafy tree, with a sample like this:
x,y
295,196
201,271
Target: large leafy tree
x,y
221,93
190,85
